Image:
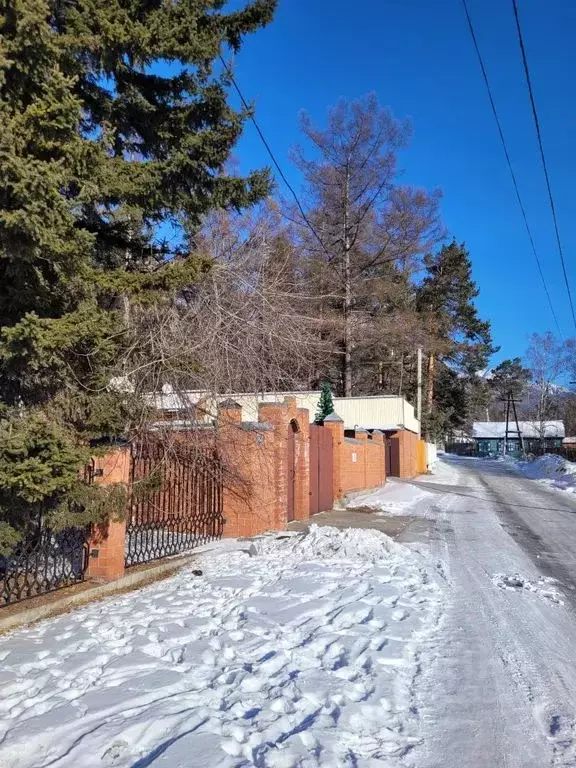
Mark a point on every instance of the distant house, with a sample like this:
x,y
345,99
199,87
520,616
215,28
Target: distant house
x,y
489,436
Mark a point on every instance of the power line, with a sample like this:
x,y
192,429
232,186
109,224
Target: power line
x,y
272,156
509,162
542,156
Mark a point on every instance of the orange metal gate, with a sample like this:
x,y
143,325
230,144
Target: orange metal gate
x,y
321,497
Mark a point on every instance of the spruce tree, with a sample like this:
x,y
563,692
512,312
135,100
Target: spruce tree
x,y
325,404
115,131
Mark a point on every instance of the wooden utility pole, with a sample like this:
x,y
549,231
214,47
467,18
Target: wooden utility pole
x,y
509,432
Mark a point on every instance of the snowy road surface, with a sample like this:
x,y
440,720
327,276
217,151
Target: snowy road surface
x,y
498,682
302,652
338,649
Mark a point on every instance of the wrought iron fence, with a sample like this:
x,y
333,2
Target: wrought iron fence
x,y
43,561
176,500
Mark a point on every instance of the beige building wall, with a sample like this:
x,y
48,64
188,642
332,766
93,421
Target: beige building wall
x,y
373,412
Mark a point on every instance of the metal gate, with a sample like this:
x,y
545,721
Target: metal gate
x,y
321,496
176,500
291,472
392,447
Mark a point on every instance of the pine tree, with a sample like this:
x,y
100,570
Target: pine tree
x,y
509,377
458,338
114,135
325,404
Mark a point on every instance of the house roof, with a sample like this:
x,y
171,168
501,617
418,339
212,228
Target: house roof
x,y
531,429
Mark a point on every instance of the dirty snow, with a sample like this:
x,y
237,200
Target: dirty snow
x,y
394,498
550,470
294,652
544,586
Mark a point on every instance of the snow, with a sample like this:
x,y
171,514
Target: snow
x,y
531,429
394,498
498,677
287,651
549,470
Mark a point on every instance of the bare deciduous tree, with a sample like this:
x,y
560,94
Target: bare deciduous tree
x,y
547,358
369,232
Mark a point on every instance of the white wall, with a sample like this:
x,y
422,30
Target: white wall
x,y
376,412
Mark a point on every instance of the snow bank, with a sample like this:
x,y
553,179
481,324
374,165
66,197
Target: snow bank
x,y
553,471
394,498
328,543
295,652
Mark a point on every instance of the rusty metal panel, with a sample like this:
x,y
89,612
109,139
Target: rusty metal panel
x,y
315,431
321,461
393,457
325,497
291,475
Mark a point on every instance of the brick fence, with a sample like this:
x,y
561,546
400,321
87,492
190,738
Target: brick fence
x,y
257,494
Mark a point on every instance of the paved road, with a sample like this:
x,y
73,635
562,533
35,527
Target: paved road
x,y
498,683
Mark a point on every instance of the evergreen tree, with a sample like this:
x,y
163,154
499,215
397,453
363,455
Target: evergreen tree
x,y
458,338
114,135
325,404
510,376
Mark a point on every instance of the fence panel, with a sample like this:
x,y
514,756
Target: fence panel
x,y
43,561
182,509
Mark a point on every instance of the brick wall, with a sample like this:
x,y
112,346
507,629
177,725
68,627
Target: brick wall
x,y
255,497
359,462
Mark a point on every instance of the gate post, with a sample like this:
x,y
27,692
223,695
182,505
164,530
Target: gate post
x,y
107,543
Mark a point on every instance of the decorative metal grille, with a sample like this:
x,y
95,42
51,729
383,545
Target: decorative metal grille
x,y
176,500
43,561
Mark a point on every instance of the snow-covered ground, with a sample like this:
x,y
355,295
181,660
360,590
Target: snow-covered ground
x,y
293,652
394,498
553,471
498,680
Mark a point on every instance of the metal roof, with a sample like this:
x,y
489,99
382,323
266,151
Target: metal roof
x,y
494,430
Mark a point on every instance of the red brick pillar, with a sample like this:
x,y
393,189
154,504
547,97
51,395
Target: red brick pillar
x,y
107,543
336,426
278,415
229,414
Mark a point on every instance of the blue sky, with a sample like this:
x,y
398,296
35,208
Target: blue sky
x,y
418,57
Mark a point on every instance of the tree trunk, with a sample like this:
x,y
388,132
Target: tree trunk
x,y
347,363
430,383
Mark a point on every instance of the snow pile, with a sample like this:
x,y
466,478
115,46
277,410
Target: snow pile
x,y
297,652
328,543
543,587
553,471
394,498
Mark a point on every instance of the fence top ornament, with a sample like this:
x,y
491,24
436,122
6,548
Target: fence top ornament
x,y
332,417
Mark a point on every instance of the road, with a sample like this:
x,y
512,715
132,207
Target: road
x,y
497,687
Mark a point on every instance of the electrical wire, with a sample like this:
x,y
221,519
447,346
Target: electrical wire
x,y
272,156
543,156
509,162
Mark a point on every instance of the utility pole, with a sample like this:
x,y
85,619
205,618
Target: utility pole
x,y
419,392
509,433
